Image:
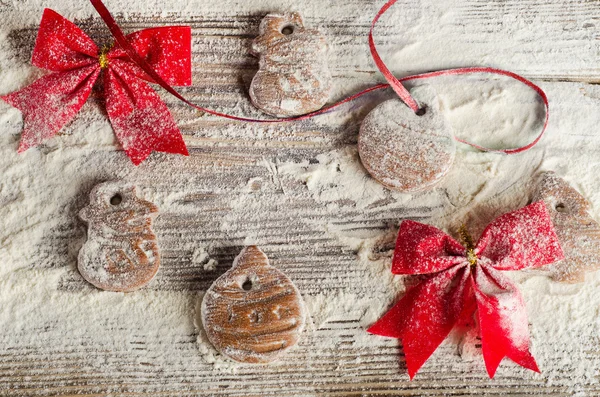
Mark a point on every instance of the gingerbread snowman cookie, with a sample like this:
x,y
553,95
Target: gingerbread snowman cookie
x,y
121,253
293,77
253,313
578,232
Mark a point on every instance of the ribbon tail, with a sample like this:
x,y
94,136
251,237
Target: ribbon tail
x,y
140,119
502,320
425,315
50,102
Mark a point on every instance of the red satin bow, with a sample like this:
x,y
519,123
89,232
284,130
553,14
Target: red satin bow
x,y
463,280
140,119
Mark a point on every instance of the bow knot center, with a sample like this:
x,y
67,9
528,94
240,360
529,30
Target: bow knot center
x,y
472,257
103,57
467,240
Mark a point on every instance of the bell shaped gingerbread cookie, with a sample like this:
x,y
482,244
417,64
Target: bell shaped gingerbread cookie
x,y
578,232
293,77
121,252
253,313
405,151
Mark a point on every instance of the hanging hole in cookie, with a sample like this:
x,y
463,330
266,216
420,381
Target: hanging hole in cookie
x,y
421,111
287,30
116,199
247,285
560,207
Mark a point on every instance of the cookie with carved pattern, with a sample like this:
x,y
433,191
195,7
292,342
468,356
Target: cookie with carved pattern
x,y
293,76
121,252
253,313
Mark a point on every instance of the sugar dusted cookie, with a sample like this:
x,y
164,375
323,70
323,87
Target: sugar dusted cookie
x,y
404,151
253,313
121,252
293,77
578,232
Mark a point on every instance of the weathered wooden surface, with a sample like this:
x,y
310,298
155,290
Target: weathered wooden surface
x,y
232,161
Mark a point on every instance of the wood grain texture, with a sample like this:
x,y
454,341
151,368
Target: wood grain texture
x,y
294,227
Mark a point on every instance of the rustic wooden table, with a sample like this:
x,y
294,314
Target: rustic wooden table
x,y
237,188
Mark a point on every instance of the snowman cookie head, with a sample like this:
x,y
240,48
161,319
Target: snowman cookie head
x,y
115,205
293,76
121,252
278,30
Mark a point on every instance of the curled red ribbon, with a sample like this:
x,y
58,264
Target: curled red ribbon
x,y
141,121
393,82
460,281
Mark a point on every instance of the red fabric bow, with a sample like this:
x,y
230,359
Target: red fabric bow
x,y
140,119
460,281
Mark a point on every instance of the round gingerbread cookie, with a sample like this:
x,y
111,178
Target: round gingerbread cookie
x,y
253,313
405,151
121,252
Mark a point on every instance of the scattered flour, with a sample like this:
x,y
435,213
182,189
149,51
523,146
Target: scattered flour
x,y
42,190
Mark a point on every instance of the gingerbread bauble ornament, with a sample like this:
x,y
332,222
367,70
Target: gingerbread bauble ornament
x,y
403,150
578,232
121,252
253,313
293,76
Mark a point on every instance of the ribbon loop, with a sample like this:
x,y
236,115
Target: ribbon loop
x,y
424,249
50,102
167,50
61,45
521,239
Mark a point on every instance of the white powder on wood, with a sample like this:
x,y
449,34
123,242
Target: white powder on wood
x,y
315,182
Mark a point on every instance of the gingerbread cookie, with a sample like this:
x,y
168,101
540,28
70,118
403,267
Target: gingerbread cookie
x,y
121,253
405,151
293,77
578,233
253,313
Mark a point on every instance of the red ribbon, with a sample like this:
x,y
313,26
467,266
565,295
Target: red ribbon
x,y
393,82
460,281
140,119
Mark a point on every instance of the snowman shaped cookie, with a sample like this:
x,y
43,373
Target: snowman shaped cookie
x,y
121,253
293,77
